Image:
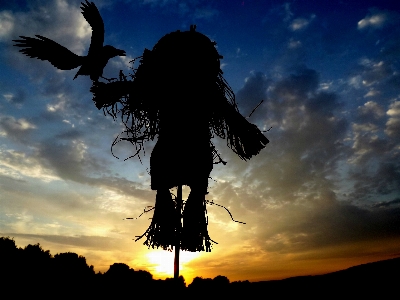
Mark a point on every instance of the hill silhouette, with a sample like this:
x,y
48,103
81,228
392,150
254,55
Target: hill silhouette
x,y
68,275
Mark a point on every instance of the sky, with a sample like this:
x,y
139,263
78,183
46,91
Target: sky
x,y
323,195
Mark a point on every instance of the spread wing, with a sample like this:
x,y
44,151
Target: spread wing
x,y
46,49
92,16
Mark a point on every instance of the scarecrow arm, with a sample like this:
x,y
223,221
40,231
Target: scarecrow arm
x,y
108,94
243,137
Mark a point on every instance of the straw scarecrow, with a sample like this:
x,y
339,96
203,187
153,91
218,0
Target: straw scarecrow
x,y
178,94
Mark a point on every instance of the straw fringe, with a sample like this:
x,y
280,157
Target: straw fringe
x,y
161,232
194,235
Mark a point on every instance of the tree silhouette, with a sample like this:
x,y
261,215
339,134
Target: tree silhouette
x,y
10,257
37,262
71,265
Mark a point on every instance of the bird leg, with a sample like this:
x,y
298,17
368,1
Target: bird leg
x,y
109,79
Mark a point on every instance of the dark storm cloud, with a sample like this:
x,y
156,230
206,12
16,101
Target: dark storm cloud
x,y
370,182
302,228
386,203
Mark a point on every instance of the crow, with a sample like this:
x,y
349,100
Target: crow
x,y
92,64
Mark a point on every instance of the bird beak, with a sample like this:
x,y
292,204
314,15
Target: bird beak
x,y
121,53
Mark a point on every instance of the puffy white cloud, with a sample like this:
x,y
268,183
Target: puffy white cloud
x,y
370,111
393,124
377,19
300,23
7,22
293,44
394,109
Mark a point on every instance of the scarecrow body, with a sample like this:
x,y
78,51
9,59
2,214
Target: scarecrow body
x,y
186,65
178,95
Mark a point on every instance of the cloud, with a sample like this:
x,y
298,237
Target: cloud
x,y
300,23
373,181
91,242
374,167
393,124
58,20
306,144
369,112
386,203
16,129
17,98
293,44
375,72
71,160
253,91
377,19
205,13
288,13
293,185
193,9
6,24
303,228
71,134
19,165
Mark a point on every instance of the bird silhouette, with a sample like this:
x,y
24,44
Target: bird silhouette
x,y
92,64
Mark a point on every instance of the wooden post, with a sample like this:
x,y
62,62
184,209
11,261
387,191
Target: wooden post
x,y
178,232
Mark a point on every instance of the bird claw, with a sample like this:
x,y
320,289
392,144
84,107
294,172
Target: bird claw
x,y
109,79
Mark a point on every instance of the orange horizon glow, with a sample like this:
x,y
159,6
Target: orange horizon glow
x,y
237,265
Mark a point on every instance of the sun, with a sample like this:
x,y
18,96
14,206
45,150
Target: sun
x,y
162,261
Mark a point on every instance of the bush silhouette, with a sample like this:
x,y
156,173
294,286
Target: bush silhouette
x,y
71,265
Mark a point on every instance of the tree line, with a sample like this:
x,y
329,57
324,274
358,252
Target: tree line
x,y
32,270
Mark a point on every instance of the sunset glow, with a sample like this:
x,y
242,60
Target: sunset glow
x,y
161,263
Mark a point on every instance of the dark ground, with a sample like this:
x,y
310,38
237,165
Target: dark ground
x,y
34,272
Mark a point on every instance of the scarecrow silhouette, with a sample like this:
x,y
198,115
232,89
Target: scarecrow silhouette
x,y
178,94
